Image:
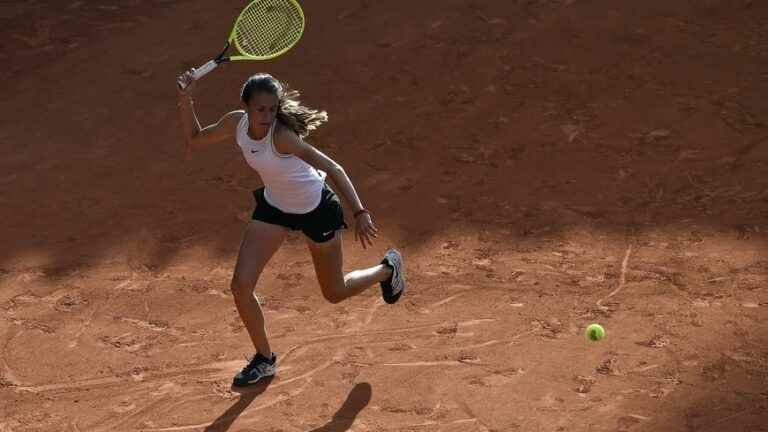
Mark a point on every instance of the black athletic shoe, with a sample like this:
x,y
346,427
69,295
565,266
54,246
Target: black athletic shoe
x,y
394,287
259,367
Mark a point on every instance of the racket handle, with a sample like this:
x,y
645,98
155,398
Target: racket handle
x,y
204,69
199,72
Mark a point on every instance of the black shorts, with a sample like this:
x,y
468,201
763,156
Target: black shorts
x,y
320,224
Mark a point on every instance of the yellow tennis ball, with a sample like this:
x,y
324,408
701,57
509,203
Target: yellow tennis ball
x,y
595,332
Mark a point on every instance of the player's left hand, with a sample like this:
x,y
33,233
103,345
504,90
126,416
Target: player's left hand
x,y
365,231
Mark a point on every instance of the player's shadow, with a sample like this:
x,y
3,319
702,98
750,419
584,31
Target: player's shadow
x,y
358,399
247,395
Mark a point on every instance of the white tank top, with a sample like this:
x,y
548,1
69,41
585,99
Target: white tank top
x,y
290,184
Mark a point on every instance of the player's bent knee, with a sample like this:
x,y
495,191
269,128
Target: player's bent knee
x,y
333,297
332,293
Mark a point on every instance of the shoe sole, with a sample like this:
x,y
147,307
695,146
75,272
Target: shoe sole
x,y
396,297
247,383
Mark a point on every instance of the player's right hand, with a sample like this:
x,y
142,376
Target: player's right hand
x,y
186,82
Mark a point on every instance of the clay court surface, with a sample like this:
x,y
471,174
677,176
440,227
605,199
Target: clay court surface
x,y
530,158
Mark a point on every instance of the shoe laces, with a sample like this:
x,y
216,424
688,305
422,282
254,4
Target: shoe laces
x,y
258,362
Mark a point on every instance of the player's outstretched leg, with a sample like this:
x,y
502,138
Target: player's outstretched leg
x,y
336,286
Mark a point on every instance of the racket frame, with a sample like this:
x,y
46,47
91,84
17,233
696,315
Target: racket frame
x,y
243,55
221,58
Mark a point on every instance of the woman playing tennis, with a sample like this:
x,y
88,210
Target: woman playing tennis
x,y
295,196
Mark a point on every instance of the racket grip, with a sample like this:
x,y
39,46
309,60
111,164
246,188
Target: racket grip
x,y
204,69
199,72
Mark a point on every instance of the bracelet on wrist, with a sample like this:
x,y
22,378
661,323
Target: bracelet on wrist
x,y
361,211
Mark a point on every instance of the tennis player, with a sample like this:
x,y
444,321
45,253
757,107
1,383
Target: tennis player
x,y
270,132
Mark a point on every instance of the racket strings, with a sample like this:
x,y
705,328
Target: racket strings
x,y
269,27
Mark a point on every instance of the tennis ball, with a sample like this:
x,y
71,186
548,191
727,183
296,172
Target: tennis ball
x,y
595,332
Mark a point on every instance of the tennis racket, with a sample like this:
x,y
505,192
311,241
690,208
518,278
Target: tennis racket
x,y
264,30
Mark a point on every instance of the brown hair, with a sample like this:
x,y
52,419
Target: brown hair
x,y
290,111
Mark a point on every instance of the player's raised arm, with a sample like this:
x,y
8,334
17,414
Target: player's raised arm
x,y
196,136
